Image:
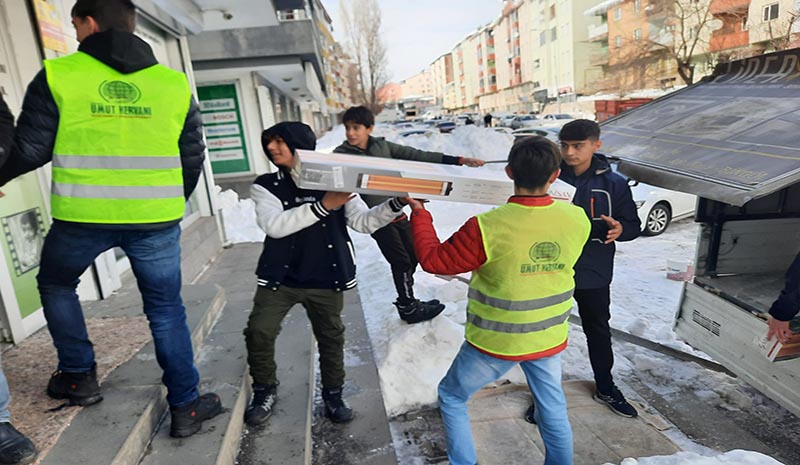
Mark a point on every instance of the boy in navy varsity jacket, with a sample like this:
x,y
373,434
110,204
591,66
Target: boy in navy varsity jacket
x,y
521,256
308,259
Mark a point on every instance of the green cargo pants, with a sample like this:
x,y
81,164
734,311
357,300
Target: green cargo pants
x,y
324,309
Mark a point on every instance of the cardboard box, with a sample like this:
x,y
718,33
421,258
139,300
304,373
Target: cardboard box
x,y
386,176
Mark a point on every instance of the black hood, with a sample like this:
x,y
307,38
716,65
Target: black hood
x,y
120,50
296,135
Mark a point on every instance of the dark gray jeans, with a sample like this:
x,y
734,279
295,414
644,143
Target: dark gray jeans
x,y
324,310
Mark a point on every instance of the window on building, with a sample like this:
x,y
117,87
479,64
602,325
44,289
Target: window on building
x,y
553,34
543,38
618,41
618,14
744,23
537,63
637,34
637,5
771,12
291,15
552,11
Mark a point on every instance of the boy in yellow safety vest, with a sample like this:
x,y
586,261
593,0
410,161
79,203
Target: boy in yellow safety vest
x,y
522,256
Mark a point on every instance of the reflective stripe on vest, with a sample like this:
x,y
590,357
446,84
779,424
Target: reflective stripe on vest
x,y
116,158
520,299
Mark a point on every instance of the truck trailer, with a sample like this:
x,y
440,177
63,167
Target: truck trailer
x,y
733,140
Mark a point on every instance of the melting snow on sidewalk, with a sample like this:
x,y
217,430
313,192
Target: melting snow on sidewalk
x,y
413,358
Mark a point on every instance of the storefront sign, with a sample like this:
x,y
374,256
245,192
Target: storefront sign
x,y
222,119
50,27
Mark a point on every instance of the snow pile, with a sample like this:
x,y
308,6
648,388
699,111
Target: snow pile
x,y
238,217
734,457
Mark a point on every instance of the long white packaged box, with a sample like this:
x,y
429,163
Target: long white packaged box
x,y
387,176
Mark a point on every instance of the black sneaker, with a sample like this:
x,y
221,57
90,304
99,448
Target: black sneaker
x,y
264,398
78,388
335,407
417,312
616,402
15,448
187,419
529,414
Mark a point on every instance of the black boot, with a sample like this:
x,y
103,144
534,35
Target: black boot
x,y
529,414
187,419
335,407
264,398
79,388
15,448
417,312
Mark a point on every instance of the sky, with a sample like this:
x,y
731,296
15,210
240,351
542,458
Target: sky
x,y
417,32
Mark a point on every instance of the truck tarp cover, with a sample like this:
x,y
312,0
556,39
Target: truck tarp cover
x,y
732,137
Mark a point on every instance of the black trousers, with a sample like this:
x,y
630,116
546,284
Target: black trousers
x,y
397,246
593,307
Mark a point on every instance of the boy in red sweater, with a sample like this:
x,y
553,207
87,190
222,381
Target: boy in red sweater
x,y
522,256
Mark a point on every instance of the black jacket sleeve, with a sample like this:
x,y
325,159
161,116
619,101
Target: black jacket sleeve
x,y
788,304
6,131
193,149
36,131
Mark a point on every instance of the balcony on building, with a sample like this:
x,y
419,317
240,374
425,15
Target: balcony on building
x,y
598,32
729,7
599,57
288,53
733,33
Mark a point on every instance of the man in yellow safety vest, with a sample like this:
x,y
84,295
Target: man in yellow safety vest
x,y
125,139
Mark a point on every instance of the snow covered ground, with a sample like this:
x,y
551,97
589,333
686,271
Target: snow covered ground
x,y
413,358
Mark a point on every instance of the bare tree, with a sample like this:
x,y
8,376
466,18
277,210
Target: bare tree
x,y
782,35
362,25
685,33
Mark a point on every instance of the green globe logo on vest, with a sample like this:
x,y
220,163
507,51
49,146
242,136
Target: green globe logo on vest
x,y
120,97
544,256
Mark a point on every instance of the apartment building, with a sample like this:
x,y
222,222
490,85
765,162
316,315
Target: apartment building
x,y
773,25
540,54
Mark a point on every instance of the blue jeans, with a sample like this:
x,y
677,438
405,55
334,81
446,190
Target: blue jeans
x,y
5,398
155,257
471,370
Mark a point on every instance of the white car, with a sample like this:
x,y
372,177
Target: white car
x,y
658,207
556,119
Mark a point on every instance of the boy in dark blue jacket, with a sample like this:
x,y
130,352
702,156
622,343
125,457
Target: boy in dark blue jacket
x,y
607,200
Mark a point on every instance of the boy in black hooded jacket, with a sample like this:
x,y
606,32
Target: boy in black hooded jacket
x,y
308,259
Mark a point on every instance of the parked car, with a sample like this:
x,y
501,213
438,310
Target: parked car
x,y
525,121
404,126
417,132
502,130
658,207
505,121
556,119
550,133
446,126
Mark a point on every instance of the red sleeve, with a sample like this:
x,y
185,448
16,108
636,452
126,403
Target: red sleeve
x,y
461,253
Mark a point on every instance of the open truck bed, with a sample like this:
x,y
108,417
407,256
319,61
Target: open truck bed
x,y
734,141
